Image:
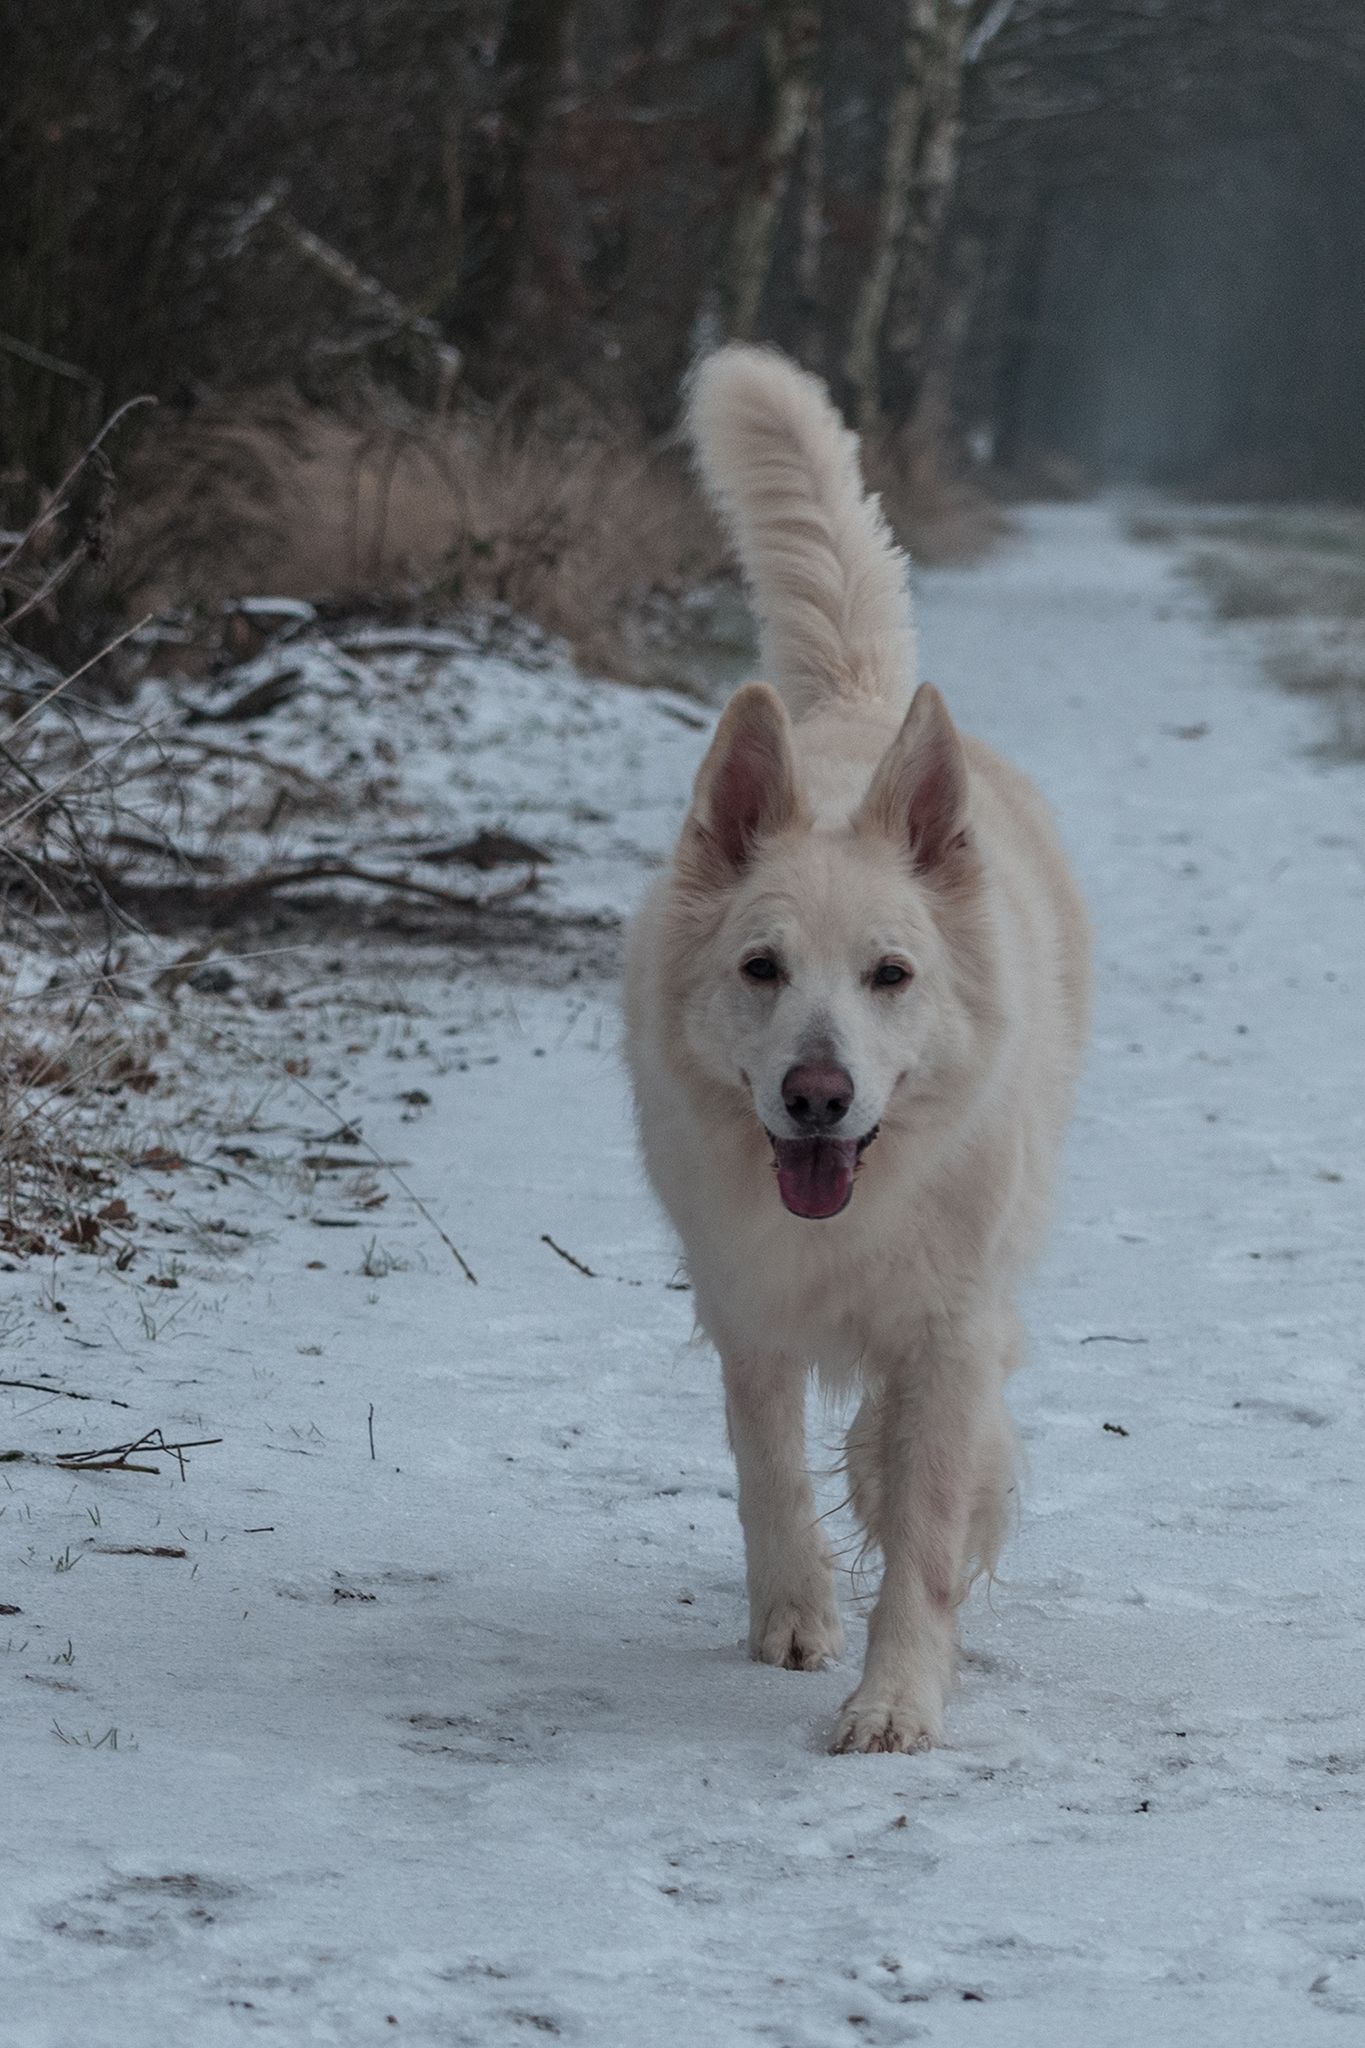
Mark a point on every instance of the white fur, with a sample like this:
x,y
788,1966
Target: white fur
x,y
827,581
836,842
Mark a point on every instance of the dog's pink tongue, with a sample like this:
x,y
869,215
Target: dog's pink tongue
x,y
815,1175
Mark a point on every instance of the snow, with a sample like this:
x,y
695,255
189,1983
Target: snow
x,y
456,1743
383,747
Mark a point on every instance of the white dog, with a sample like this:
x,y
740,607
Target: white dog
x,y
856,1005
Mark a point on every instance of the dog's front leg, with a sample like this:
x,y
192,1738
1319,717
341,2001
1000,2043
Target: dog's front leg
x,y
793,1618
915,1453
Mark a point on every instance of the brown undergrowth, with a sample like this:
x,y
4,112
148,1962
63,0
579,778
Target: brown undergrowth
x,y
577,523
592,535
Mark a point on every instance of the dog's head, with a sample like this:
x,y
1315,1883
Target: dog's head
x,y
831,972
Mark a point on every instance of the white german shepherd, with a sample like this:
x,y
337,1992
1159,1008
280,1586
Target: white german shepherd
x,y
856,1005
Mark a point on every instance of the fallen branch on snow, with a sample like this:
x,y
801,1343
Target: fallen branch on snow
x,y
67,1393
219,901
118,1457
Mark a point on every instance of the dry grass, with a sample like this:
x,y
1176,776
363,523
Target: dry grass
x,y
571,521
75,1043
67,1072
1302,573
71,1052
1299,572
1242,586
1319,668
1319,530
1261,582
583,532
201,515
1333,671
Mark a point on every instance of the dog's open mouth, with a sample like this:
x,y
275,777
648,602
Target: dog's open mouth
x,y
815,1175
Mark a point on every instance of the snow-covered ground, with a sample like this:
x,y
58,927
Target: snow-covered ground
x,y
417,1710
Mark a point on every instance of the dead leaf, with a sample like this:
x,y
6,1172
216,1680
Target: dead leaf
x,y
161,1160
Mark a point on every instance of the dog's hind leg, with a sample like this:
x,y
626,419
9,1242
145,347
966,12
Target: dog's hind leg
x,y
994,1475
996,1456
793,1617
990,1516
862,1466
928,1457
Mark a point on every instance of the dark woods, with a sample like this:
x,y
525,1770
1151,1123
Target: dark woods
x,y
1068,239
571,196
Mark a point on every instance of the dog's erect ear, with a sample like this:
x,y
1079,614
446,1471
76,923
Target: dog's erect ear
x,y
918,795
746,786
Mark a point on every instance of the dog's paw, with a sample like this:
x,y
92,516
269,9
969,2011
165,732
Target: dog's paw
x,y
869,1725
797,1636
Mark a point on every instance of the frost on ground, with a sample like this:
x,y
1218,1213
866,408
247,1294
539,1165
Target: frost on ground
x,y
417,1710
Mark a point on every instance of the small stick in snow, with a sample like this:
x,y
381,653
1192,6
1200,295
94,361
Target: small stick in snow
x,y
67,1393
1108,1337
140,1550
371,1419
116,1457
568,1257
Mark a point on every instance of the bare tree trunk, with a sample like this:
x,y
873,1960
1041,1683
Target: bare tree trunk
x,y
918,165
810,285
497,192
919,314
1019,328
791,41
452,62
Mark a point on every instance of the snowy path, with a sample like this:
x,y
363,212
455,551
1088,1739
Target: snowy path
x,y
457,1744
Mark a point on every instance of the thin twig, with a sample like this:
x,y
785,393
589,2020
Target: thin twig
x,y
41,360
48,587
568,1257
148,975
75,677
335,868
67,1393
250,757
69,1085
116,1456
52,504
82,767
127,892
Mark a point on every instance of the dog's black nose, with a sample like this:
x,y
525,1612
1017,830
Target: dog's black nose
x,y
817,1097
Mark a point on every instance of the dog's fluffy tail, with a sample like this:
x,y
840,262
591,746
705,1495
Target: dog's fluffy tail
x,y
826,579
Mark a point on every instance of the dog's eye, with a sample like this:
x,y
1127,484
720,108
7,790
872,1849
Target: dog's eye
x,y
890,974
760,967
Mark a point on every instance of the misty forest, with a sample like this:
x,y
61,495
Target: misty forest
x,y
372,1591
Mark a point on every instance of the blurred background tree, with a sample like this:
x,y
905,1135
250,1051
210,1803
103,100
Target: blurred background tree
x,y
1062,241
